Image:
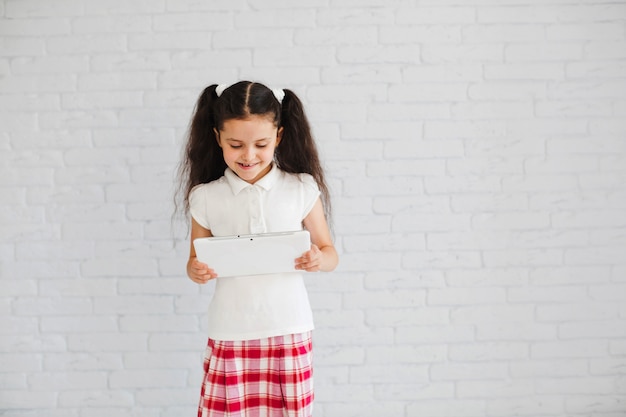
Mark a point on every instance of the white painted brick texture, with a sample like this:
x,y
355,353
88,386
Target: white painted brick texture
x,y
477,156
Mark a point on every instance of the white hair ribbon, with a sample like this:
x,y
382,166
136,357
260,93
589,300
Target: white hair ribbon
x,y
220,89
279,93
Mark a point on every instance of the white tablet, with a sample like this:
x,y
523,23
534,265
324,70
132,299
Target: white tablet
x,y
268,253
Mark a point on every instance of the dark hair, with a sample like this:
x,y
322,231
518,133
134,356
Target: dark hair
x,y
203,160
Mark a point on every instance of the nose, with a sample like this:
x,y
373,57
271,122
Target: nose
x,y
248,153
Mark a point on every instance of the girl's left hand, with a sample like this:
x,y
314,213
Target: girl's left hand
x,y
310,260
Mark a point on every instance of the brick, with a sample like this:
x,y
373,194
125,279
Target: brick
x,y
167,398
606,404
526,71
78,362
51,306
12,400
34,8
390,242
493,202
297,18
511,221
540,369
405,354
507,90
435,15
587,89
425,316
293,56
443,73
365,408
462,184
131,61
408,167
442,259
90,24
404,279
462,53
547,295
336,36
503,33
464,296
363,74
375,54
428,92
387,373
415,203
544,405
589,385
121,7
50,65
588,330
344,93
20,363
107,342
586,32
490,351
416,33
523,257
79,324
350,16
466,371
86,44
569,349
491,389
509,277
119,80
77,101
67,381
463,129
429,222
413,391
447,408
153,323
595,69
423,149
403,298
96,399
36,26
423,335
30,102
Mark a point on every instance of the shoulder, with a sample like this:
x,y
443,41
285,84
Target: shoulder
x,y
209,187
201,192
300,180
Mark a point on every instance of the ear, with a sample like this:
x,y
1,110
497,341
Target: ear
x,y
217,137
279,135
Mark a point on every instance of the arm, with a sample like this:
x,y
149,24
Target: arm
x,y
199,272
322,256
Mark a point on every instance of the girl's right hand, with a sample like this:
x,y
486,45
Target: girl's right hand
x,y
199,272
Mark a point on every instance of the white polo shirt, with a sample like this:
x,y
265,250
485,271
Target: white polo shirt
x,y
260,306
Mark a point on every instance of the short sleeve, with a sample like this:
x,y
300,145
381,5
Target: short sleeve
x,y
198,206
310,194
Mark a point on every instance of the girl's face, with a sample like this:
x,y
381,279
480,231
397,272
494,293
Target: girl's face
x,y
248,146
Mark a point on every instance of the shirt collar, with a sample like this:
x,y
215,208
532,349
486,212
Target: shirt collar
x,y
237,184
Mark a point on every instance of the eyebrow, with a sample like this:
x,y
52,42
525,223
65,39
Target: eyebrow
x,y
239,140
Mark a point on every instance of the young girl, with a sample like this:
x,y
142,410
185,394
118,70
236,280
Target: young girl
x,y
251,166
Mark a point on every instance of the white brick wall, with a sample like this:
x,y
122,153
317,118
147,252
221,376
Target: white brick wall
x,y
477,156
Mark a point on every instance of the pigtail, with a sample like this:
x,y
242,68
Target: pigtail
x,y
202,160
297,152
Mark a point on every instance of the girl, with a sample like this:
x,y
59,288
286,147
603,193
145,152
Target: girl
x,y
251,166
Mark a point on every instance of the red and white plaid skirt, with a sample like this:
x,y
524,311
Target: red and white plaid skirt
x,y
270,377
